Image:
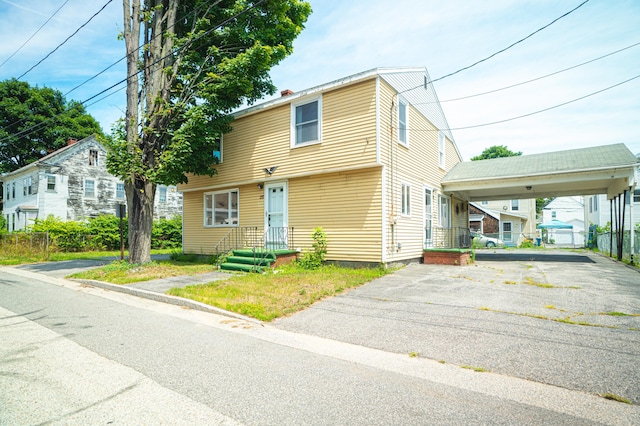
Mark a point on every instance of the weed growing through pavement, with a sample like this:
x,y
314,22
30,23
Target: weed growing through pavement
x,y
413,354
614,397
476,369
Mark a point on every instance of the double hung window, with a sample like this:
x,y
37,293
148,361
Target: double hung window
x,y
221,208
306,121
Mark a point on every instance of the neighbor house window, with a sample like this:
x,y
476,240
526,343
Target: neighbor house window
x,y
403,122
120,191
441,148
13,190
51,183
553,214
444,216
306,120
636,196
221,208
162,196
89,188
484,203
515,205
93,157
406,199
24,187
595,203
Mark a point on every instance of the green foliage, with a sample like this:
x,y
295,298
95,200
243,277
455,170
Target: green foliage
x,y
22,107
496,151
167,233
527,244
603,229
3,224
103,233
314,259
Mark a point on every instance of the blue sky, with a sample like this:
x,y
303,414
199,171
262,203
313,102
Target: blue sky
x,y
347,37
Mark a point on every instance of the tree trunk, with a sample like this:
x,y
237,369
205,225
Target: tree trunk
x,y
140,196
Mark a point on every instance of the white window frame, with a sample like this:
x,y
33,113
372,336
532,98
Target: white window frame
x,y
162,198
294,125
49,178
442,148
405,196
94,160
403,127
444,201
211,212
84,187
515,205
120,197
504,233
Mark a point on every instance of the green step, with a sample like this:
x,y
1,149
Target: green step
x,y
249,253
241,267
249,260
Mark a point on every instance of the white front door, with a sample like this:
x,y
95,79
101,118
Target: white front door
x,y
507,232
275,214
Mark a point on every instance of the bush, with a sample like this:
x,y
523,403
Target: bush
x,y
314,259
3,225
105,231
167,233
66,236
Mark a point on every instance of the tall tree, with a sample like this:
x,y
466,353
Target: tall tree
x,y
35,121
496,151
200,59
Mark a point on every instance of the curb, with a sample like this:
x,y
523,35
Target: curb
x,y
165,298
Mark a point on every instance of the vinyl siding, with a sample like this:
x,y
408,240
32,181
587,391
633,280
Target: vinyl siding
x,y
262,140
346,205
416,165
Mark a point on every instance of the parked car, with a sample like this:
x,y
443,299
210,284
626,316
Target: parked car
x,y
484,241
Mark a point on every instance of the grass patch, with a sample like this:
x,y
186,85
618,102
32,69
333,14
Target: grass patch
x,y
122,272
442,361
531,281
476,369
619,314
414,354
614,397
18,255
278,293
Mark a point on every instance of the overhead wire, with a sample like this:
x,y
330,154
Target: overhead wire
x,y
501,50
42,123
66,40
34,34
532,80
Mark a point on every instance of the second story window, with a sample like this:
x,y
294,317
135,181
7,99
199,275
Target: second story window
x,y
306,119
403,122
13,190
51,183
217,150
93,157
515,205
553,214
89,188
441,149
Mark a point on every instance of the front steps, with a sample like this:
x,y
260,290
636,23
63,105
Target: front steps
x,y
245,261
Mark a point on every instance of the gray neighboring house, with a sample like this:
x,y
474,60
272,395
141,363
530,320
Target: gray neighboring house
x,y
72,183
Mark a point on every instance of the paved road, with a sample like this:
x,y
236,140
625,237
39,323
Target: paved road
x,y
73,354
501,314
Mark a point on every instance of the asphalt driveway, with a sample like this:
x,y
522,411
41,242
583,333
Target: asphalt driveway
x,y
561,318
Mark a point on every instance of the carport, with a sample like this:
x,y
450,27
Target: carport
x,y
608,169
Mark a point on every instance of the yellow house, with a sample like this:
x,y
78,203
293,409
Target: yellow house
x,y
362,157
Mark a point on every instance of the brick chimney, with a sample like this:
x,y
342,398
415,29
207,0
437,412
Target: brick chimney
x,y
71,141
286,92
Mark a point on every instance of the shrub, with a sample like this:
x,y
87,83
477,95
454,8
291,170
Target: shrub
x,y
314,259
167,233
66,236
105,231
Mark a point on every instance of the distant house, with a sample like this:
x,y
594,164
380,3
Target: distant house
x,y
569,210
362,157
511,221
72,183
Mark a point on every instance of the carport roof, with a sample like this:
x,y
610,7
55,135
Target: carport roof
x,y
604,169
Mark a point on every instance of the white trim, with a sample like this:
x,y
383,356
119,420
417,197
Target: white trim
x,y
378,120
403,101
293,130
285,202
213,208
502,231
84,188
424,214
442,150
440,224
385,222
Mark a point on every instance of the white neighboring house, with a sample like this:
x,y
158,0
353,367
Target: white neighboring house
x,y
517,219
568,210
72,183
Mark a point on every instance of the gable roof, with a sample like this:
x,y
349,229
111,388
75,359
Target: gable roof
x,y
410,82
53,156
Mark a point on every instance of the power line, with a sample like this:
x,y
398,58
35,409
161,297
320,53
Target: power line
x,y
66,40
502,50
38,125
532,80
34,34
531,113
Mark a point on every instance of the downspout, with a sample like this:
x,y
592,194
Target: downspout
x,y
391,178
631,225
